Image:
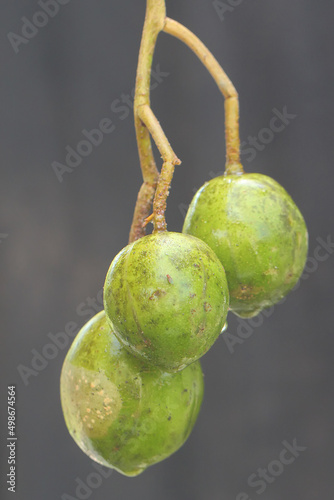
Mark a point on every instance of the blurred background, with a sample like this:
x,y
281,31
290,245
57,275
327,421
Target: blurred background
x,y
268,381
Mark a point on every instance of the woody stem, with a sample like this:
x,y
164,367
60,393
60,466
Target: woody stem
x,y
154,22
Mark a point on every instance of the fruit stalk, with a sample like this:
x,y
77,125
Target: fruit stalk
x,y
154,21
170,160
146,124
233,165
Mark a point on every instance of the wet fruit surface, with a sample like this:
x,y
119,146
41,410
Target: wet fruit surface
x,y
166,297
121,413
258,233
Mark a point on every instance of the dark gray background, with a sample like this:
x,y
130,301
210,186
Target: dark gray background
x,y
278,384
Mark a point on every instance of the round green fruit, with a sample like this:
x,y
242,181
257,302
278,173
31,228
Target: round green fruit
x,y
119,411
166,297
258,233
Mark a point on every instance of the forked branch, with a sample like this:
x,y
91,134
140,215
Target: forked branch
x,y
156,186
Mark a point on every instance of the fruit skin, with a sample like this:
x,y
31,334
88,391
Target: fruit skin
x,y
119,411
166,297
257,232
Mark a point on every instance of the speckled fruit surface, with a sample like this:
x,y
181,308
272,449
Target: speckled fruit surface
x,y
258,233
166,297
119,411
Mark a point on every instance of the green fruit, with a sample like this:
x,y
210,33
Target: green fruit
x,y
166,297
120,412
257,232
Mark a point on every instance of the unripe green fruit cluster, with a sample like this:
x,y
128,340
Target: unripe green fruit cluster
x,y
131,384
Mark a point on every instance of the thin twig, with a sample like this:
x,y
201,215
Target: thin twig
x,y
154,22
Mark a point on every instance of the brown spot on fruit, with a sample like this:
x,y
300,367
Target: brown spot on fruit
x,y
271,272
158,293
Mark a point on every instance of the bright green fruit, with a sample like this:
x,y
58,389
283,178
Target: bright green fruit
x,y
166,297
257,232
118,410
